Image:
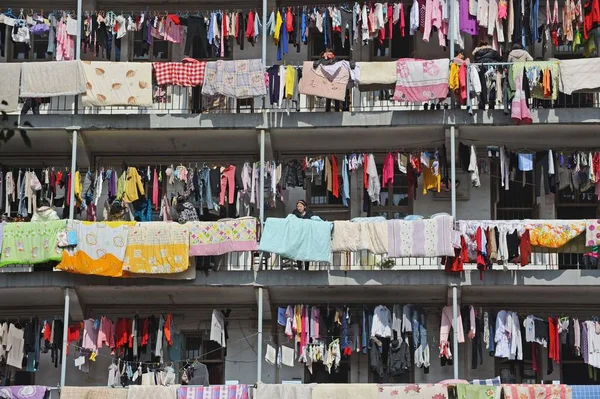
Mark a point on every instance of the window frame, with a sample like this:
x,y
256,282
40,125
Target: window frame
x,y
202,351
497,189
151,58
10,48
313,35
390,209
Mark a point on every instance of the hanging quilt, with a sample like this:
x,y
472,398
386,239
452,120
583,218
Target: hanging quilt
x,y
537,391
235,79
421,80
100,249
554,234
466,391
420,238
239,391
117,83
223,236
157,248
420,391
30,243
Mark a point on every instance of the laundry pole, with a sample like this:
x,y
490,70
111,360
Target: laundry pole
x,y
264,43
261,197
455,331
73,170
65,343
453,171
260,336
79,25
451,28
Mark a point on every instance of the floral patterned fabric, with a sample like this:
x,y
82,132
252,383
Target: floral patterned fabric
x,y
420,391
224,236
554,235
29,243
466,391
24,392
157,248
537,392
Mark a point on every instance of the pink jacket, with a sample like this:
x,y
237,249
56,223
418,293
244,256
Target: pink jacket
x,y
388,169
446,326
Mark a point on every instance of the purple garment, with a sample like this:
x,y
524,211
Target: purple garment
x,y
39,29
23,392
214,392
468,23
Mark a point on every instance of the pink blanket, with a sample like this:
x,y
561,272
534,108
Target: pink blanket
x,y
223,236
421,80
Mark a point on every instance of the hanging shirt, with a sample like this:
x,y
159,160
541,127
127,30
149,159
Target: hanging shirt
x,y
382,322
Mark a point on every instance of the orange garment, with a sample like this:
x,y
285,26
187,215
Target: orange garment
x,y
335,177
553,343
546,83
167,329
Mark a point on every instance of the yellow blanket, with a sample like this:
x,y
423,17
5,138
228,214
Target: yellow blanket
x,y
157,248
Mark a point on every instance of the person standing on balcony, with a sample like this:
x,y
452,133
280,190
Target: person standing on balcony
x,y
302,212
519,54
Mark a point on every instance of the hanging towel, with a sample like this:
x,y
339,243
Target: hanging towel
x,y
100,248
51,79
31,243
236,79
239,391
152,392
297,239
572,78
224,236
117,83
10,78
420,238
22,392
418,81
92,393
345,391
413,391
157,247
351,237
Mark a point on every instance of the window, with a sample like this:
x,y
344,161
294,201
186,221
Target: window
x,y
158,50
34,51
519,371
394,200
208,353
391,49
316,45
323,202
518,202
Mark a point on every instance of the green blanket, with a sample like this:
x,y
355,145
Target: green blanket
x,y
29,243
466,391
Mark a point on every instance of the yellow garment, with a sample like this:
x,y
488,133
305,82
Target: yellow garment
x,y
157,248
133,186
298,312
454,81
121,186
431,181
78,188
100,248
554,235
290,81
278,23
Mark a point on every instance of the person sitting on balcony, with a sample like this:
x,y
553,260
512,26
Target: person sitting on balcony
x,y
519,54
485,54
45,213
302,212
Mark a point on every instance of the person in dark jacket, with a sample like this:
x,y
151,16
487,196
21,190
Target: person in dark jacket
x,y
302,212
484,53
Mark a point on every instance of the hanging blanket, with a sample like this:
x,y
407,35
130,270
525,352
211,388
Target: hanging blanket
x,y
580,76
377,73
466,391
554,234
345,391
352,236
30,243
117,83
420,391
297,239
189,274
223,236
236,79
585,391
314,82
51,79
418,238
537,391
23,392
592,232
10,79
100,248
157,247
239,391
284,391
152,392
188,73
92,393
418,81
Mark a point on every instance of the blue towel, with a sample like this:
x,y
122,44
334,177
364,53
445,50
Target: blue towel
x,y
585,391
297,239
